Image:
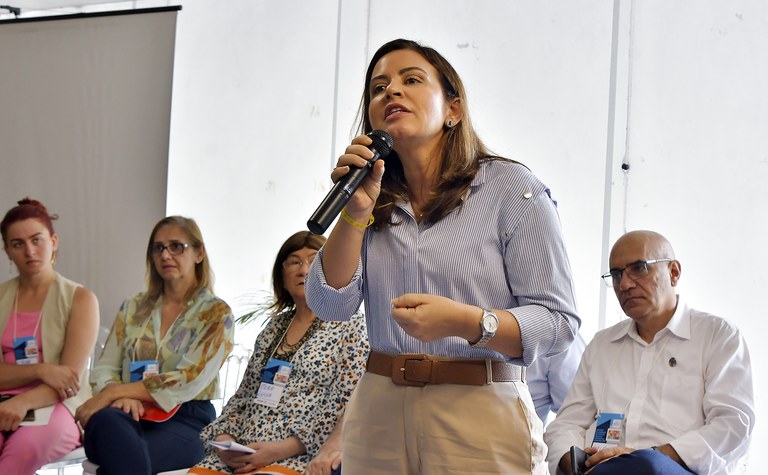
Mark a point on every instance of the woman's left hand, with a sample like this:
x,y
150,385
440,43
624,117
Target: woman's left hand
x,y
131,406
431,317
61,378
266,454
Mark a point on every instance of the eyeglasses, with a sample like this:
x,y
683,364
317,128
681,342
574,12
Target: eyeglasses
x,y
174,248
636,270
294,263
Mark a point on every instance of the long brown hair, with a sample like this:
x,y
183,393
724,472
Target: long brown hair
x,y
155,283
461,148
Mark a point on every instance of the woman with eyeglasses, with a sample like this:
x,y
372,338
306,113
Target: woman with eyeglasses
x,y
159,368
298,382
49,326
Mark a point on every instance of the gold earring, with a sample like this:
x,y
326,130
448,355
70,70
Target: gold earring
x,y
53,259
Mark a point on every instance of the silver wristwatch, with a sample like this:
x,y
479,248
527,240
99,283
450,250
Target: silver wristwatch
x,y
488,325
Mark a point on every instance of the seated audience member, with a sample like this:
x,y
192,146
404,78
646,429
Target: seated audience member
x,y
160,365
668,391
49,326
299,379
549,378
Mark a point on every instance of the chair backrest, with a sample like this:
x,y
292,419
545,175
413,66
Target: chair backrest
x,y
75,457
231,374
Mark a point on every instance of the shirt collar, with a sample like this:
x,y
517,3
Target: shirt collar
x,y
479,179
481,174
679,325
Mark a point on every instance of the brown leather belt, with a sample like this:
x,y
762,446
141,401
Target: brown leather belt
x,y
420,370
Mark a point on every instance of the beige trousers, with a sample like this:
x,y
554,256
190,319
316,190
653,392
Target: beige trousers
x,y
441,429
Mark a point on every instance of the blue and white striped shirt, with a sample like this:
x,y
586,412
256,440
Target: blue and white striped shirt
x,y
503,249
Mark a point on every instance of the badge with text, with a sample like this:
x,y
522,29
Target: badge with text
x,y
25,350
140,370
608,430
274,377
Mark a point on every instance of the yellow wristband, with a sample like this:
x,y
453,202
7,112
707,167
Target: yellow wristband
x,y
354,223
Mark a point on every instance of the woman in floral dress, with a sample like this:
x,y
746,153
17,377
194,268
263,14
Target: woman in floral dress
x,y
299,379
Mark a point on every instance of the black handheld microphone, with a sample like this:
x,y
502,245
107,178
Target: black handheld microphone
x,y
344,188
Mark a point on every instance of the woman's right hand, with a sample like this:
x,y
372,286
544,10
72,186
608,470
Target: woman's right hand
x,y
12,412
91,407
358,154
63,379
226,456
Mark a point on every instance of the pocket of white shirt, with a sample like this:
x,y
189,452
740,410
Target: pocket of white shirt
x,y
680,403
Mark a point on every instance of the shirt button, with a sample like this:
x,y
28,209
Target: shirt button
x,y
527,195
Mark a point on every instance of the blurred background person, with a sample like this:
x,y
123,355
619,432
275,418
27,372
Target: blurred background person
x,y
550,378
321,363
160,365
49,326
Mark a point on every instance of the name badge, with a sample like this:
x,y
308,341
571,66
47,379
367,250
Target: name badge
x,y
141,370
274,377
609,430
25,350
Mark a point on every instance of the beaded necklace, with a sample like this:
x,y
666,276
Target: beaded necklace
x,y
286,350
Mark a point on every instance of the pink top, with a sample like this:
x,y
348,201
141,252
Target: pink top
x,y
25,325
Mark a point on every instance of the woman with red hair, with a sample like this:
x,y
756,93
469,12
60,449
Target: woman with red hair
x,y
48,325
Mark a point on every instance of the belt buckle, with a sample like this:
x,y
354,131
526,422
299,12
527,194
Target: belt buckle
x,y
398,369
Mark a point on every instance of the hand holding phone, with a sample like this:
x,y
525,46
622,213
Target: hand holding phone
x,y
578,459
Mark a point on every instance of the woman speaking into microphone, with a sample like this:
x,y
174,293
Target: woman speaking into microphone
x,y
459,258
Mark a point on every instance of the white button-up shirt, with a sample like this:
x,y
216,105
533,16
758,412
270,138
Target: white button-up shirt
x,y
691,387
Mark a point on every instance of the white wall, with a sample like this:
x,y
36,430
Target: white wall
x,y
265,94
251,129
698,153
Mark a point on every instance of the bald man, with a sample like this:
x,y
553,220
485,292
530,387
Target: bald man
x,y
667,391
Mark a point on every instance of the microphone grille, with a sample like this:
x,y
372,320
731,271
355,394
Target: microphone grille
x,y
382,142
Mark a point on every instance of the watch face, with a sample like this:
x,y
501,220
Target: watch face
x,y
490,323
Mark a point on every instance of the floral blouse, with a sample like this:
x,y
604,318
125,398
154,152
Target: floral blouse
x,y
189,356
324,374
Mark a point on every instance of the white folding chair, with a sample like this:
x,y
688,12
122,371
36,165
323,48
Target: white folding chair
x,y
231,374
76,457
89,468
